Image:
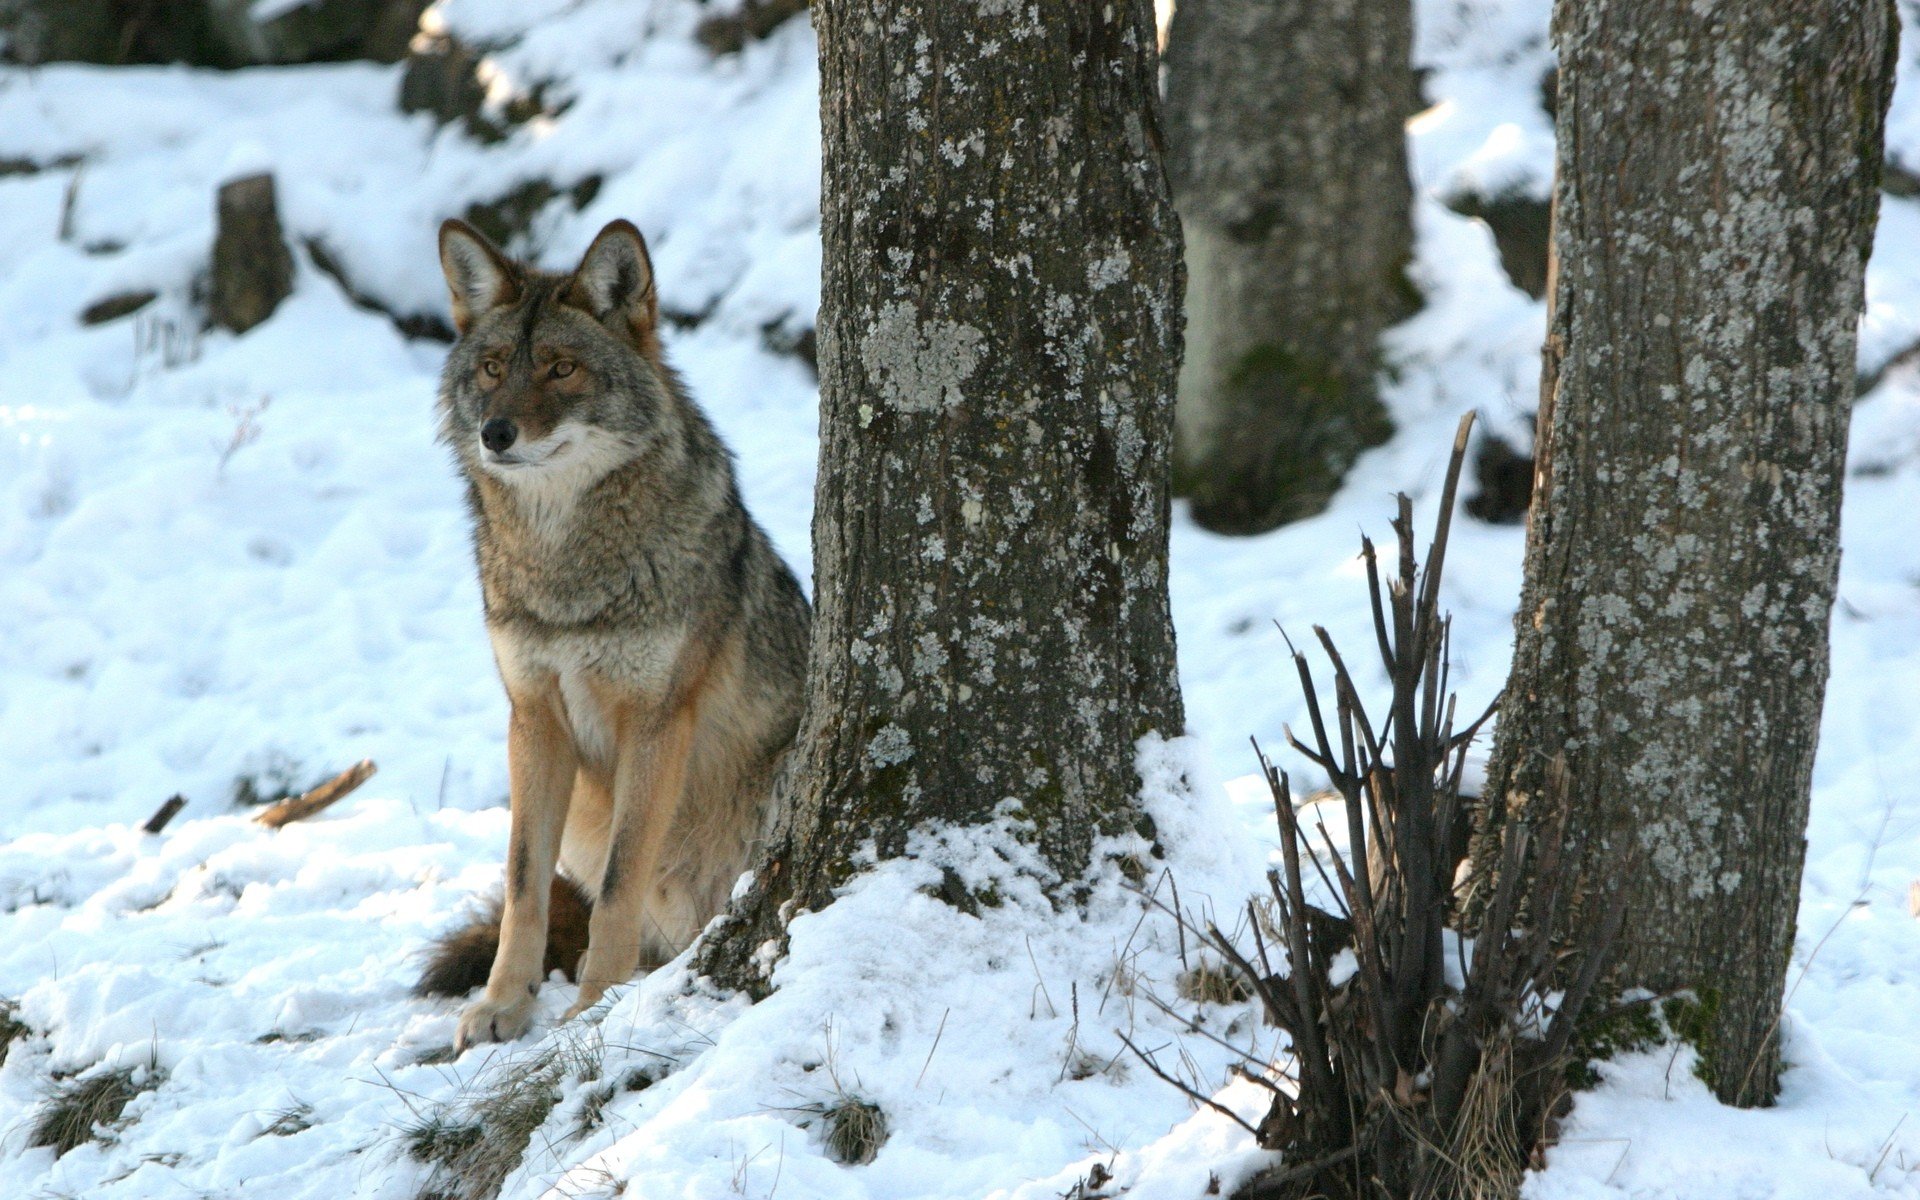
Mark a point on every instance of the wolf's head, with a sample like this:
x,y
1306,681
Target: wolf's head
x,y
555,377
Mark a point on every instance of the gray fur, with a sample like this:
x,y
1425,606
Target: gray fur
x,y
615,554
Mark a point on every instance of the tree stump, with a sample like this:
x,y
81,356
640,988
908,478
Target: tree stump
x,y
252,267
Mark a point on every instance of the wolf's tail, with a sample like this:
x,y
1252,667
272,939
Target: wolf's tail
x,y
458,961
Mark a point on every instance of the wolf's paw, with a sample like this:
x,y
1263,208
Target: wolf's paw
x,y
589,996
493,1021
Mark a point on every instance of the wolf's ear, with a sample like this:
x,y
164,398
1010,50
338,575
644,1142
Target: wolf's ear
x,y
478,275
614,281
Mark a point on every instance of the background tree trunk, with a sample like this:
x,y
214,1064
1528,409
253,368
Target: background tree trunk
x,y
999,335
1287,150
1715,205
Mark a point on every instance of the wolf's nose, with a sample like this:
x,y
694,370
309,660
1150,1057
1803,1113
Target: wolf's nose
x,y
497,434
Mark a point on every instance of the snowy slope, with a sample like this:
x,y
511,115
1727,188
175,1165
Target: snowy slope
x,y
177,615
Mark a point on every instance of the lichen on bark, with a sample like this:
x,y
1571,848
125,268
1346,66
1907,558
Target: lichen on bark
x,y
1715,203
999,332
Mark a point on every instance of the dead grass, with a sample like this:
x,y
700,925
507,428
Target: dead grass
x,y
438,1138
854,1129
1212,982
475,1141
12,1028
1487,1157
294,1118
592,1113
85,1107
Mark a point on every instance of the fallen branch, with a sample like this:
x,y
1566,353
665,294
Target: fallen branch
x,y
299,808
166,812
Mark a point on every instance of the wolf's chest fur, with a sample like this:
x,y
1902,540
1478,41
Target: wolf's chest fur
x,y
602,680
587,615
614,560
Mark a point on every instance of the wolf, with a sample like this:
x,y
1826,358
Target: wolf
x,y
652,642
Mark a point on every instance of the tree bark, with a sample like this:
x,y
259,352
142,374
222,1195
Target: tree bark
x,y
1287,150
999,336
1715,204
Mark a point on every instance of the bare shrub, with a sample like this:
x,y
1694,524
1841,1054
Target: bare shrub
x,y
1402,1082
246,430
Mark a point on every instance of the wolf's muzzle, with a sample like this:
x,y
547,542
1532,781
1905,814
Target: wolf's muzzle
x,y
497,434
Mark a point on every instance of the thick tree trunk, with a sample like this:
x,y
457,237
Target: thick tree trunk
x,y
1287,150
1715,204
999,335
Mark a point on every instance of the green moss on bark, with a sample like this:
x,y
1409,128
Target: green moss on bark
x,y
1300,421
1688,1017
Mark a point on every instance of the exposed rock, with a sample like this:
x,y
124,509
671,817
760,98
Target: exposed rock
x,y
442,77
341,30
729,32
252,267
1506,483
429,326
204,33
786,336
508,219
1522,230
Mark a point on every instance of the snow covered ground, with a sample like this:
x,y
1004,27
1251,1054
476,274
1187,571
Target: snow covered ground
x,y
243,557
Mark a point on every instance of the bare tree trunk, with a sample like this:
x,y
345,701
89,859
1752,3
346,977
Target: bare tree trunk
x,y
1287,149
1715,205
999,335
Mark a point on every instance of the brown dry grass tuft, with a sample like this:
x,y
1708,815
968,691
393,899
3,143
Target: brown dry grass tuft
x,y
12,1028
855,1129
1211,982
1487,1157
475,1141
83,1108
294,1118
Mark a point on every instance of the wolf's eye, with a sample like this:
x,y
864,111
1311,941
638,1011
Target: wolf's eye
x,y
562,369
490,367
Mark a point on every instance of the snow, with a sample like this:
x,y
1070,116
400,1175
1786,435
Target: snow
x,y
184,607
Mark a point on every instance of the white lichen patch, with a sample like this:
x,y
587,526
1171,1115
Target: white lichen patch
x,y
918,366
1109,269
889,746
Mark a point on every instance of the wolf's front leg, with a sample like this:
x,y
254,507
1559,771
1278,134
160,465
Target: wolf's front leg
x,y
540,765
649,779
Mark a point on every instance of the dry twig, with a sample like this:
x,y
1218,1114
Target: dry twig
x,y
165,813
299,808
